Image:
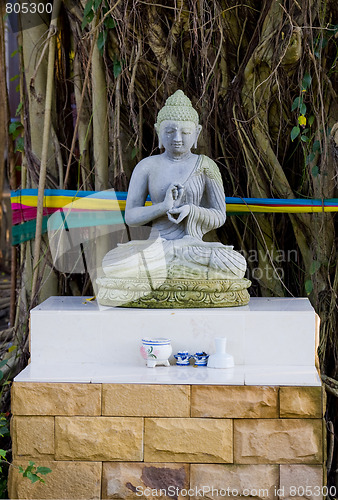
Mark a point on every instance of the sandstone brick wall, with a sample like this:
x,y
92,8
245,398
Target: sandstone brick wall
x,y
123,441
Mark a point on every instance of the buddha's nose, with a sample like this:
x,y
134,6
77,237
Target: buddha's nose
x,y
178,136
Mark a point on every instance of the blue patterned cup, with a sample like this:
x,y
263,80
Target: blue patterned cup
x,y
182,358
201,358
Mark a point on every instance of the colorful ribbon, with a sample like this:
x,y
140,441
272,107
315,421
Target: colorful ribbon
x,y
88,208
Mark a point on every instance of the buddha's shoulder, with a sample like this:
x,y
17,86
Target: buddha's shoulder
x,y
147,164
207,162
210,169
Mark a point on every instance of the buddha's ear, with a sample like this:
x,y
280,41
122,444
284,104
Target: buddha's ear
x,y
157,128
198,131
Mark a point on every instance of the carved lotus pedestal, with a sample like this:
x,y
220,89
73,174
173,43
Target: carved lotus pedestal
x,y
172,293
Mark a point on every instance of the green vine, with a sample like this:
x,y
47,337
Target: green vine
x,y
299,104
91,8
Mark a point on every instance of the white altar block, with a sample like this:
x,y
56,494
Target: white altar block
x,y
268,332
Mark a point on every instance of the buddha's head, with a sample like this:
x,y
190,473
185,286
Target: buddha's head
x,y
177,124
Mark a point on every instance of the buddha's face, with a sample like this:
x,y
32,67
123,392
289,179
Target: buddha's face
x,y
178,137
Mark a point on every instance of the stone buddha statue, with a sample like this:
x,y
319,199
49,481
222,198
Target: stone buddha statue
x,y
175,267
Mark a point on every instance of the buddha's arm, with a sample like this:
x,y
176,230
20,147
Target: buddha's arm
x,y
136,213
201,220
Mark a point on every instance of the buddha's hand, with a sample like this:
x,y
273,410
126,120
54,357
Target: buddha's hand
x,y
178,195
176,215
173,196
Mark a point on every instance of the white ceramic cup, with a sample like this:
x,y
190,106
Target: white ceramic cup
x,y
156,351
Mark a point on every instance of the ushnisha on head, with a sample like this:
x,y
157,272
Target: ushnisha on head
x,y
177,122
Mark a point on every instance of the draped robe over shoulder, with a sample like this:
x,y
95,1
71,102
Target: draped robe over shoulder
x,y
178,250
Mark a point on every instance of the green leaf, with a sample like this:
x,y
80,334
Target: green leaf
x,y
88,8
21,470
311,120
324,42
13,127
18,109
14,78
316,146
109,23
43,470
117,68
295,133
315,265
3,453
90,16
97,4
1,374
84,23
309,158
4,426
304,138
296,103
134,153
101,40
4,431
306,81
3,362
33,477
20,147
302,109
308,286
315,171
87,19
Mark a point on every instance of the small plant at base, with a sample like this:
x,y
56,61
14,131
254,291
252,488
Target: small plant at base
x,y
32,472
